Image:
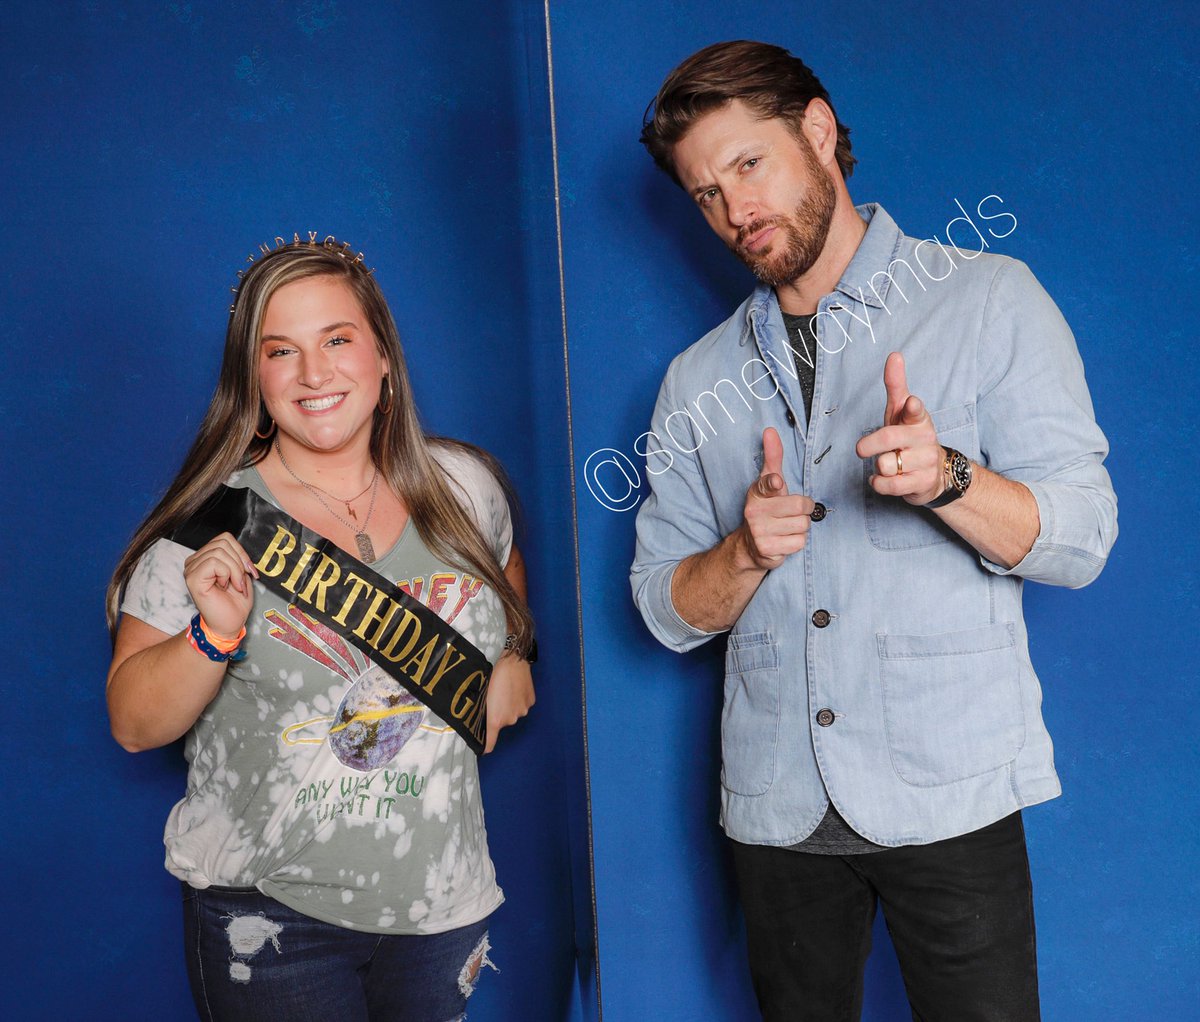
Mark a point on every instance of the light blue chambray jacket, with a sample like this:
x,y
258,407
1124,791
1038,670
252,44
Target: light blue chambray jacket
x,y
937,727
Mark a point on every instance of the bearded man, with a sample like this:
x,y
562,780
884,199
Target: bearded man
x,y
882,728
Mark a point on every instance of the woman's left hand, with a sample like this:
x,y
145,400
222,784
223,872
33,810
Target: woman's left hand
x,y
509,695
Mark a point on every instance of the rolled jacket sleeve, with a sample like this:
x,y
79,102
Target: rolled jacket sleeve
x,y
1037,426
677,519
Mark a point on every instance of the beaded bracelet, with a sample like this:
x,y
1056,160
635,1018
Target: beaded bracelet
x,y
210,646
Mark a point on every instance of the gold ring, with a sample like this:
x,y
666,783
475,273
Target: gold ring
x,y
899,463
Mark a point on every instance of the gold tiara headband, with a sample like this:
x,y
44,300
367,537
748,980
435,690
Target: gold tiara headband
x,y
329,243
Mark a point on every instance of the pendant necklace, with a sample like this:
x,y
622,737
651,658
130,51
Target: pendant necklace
x,y
347,500
366,549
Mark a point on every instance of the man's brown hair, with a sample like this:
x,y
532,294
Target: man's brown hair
x,y
768,79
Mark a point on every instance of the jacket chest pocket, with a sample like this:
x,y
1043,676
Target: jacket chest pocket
x,y
894,524
750,715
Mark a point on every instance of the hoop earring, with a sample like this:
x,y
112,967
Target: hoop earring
x,y
391,396
268,434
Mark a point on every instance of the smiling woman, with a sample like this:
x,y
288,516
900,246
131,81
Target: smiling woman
x,y
253,613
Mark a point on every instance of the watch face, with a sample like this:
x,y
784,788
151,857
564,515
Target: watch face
x,y
960,471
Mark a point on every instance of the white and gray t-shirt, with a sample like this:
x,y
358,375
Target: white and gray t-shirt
x,y
378,827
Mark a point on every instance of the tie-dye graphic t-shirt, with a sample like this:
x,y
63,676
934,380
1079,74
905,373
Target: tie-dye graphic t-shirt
x,y
315,777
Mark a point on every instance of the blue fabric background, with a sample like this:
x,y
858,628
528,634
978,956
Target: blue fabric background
x,y
147,148
1083,118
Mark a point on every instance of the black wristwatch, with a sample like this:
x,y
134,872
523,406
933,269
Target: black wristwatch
x,y
529,655
956,472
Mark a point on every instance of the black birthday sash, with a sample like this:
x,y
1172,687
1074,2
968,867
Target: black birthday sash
x,y
428,656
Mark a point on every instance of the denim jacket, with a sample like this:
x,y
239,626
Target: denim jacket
x,y
886,665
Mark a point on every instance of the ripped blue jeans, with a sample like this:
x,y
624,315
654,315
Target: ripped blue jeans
x,y
251,959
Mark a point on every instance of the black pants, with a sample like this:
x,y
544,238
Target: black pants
x,y
960,913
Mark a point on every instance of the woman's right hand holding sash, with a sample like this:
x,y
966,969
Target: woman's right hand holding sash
x,y
158,684
220,578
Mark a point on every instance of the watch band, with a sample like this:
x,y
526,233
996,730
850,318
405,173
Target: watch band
x,y
956,471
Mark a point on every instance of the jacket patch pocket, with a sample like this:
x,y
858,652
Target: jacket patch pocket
x,y
750,715
894,524
951,703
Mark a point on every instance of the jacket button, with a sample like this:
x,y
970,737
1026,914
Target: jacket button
x,y
818,512
791,417
821,618
825,717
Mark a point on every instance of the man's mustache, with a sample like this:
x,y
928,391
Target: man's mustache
x,y
749,230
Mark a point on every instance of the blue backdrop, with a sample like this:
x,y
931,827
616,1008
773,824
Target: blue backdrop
x,y
147,148
1085,124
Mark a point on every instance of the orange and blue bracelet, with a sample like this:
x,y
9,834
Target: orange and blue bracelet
x,y
216,649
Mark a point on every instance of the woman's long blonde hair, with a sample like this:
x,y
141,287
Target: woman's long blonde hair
x,y
227,439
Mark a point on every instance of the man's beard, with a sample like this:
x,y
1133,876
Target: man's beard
x,y
804,233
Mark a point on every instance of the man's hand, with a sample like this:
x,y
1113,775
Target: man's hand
x,y
711,589
908,457
775,523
